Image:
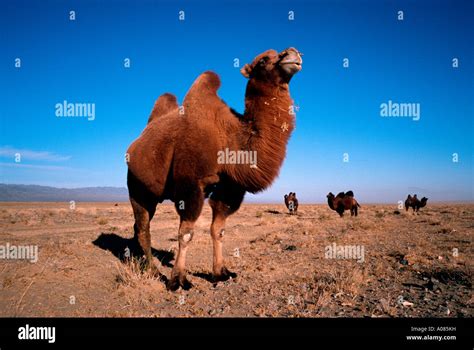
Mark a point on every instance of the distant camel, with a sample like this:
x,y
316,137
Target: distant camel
x,y
343,201
415,203
291,202
179,154
409,201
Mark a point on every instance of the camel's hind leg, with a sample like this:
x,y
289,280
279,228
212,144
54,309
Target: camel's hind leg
x,y
143,216
144,207
224,202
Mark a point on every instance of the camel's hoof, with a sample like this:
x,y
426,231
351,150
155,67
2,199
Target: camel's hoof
x,y
224,275
177,281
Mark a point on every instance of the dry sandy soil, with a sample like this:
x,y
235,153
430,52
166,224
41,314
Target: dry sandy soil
x,y
414,265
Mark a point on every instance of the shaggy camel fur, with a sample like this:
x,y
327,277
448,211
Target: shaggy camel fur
x,y
343,201
291,202
177,155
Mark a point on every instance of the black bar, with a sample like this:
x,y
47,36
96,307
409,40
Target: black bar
x,y
341,330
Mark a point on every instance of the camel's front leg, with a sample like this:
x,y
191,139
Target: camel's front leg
x,y
224,201
188,205
178,274
220,272
220,212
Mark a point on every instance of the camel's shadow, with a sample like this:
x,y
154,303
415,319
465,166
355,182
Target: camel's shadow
x,y
118,246
207,276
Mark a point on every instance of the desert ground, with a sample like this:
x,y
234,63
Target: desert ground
x,y
413,266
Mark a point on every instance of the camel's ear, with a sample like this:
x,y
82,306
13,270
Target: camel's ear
x,y
246,70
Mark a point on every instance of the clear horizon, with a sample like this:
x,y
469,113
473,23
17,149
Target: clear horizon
x,y
253,200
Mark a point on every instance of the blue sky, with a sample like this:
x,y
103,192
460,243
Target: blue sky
x,y
407,61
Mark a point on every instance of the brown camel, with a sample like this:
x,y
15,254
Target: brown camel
x,y
415,203
179,154
291,202
343,201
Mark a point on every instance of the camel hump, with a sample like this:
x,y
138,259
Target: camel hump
x,y
350,193
205,86
164,104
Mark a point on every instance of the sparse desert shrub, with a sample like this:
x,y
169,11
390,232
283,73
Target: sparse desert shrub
x,y
102,221
324,217
259,214
339,282
131,273
361,225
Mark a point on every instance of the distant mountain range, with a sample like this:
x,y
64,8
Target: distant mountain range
x,y
35,193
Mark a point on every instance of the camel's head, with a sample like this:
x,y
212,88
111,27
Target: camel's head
x,y
330,195
424,200
274,67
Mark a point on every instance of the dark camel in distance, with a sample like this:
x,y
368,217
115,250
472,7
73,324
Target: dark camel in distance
x,y
176,156
415,203
343,201
291,202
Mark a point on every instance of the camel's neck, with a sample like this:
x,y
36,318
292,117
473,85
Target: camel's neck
x,y
269,118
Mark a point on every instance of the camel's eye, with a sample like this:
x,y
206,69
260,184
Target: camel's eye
x,y
263,61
